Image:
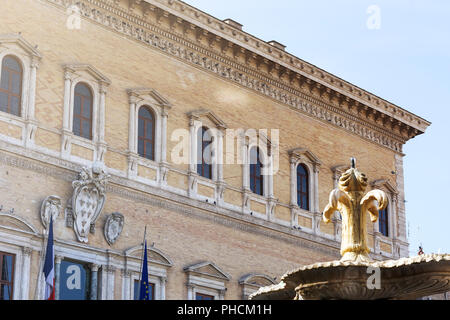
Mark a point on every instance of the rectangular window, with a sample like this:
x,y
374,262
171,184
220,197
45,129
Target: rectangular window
x,y
6,276
137,287
201,296
384,223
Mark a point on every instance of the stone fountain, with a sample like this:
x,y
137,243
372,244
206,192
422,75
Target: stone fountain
x,y
356,276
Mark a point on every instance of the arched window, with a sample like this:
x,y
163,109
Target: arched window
x,y
82,111
204,153
302,187
146,133
383,222
11,86
256,177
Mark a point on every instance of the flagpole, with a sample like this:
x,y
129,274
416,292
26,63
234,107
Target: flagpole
x,y
142,258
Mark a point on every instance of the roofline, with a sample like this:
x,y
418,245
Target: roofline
x,y
169,6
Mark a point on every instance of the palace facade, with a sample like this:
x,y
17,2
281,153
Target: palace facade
x,y
116,115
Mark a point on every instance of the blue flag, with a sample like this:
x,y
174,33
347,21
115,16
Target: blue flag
x,y
144,291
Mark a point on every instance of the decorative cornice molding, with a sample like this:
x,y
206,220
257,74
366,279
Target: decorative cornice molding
x,y
391,134
273,50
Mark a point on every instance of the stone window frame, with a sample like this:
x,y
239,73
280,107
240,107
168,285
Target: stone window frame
x,y
20,241
157,272
217,129
157,277
267,199
29,57
302,156
101,271
98,84
160,106
208,284
392,196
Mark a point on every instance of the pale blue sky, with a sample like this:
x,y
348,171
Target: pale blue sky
x,y
406,61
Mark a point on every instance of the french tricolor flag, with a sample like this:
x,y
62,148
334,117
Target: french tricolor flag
x,y
49,266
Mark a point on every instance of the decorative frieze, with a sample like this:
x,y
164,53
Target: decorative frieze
x,y
134,26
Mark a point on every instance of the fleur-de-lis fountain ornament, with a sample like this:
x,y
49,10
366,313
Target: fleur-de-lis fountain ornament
x,y
354,205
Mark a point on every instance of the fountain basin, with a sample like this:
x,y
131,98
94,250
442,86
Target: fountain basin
x,y
406,278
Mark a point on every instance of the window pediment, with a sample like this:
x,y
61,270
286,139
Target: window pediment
x,y
302,154
150,96
87,70
203,113
17,223
207,269
384,184
17,40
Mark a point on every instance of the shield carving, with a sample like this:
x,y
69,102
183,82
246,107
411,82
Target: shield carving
x,y
88,200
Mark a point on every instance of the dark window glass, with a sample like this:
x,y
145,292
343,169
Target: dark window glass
x,y
75,281
82,111
11,86
383,222
137,287
256,177
6,276
146,133
204,156
302,187
201,296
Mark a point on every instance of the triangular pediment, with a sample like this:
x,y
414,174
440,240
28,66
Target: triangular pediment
x,y
303,152
90,70
207,269
21,42
149,93
198,114
386,184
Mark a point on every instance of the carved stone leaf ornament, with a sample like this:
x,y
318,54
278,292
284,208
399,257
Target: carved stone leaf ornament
x,y
88,199
50,207
113,227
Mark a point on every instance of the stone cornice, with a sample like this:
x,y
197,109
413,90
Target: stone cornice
x,y
320,102
270,51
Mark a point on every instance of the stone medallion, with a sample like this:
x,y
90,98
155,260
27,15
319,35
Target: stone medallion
x,y
50,207
113,227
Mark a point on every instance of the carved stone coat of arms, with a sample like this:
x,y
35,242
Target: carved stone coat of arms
x,y
113,227
50,207
88,199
